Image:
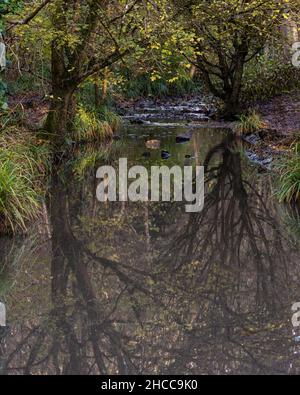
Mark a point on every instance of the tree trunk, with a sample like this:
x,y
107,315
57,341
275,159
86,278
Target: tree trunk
x,y
60,120
232,107
235,81
63,107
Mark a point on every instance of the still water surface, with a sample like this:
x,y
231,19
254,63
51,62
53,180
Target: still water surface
x,y
127,288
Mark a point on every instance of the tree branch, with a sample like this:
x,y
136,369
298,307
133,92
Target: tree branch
x,y
30,17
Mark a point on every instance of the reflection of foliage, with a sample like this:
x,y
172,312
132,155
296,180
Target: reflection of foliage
x,y
87,157
233,229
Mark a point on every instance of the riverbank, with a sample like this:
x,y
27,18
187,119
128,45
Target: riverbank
x,y
282,113
280,116
281,132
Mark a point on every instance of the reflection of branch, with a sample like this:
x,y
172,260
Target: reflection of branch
x,y
231,230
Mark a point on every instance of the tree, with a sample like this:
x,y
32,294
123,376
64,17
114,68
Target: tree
x,y
87,37
227,34
83,38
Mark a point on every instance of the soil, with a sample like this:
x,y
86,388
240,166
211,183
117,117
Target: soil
x,y
282,113
30,108
282,117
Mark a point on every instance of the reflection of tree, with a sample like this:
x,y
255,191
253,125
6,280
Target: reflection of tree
x,y
81,334
235,228
240,267
218,301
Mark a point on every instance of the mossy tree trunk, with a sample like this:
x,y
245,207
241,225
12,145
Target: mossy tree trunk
x,y
63,105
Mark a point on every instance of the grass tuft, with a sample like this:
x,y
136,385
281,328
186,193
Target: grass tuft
x,y
23,166
250,123
92,126
288,189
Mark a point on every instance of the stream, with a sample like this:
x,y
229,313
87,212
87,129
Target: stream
x,y
146,288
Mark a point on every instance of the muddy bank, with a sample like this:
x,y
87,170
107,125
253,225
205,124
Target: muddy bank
x,y
282,113
282,118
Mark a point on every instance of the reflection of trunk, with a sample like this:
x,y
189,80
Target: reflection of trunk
x,y
147,232
67,258
232,232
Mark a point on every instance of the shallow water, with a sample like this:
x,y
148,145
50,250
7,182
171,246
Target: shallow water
x,y
134,288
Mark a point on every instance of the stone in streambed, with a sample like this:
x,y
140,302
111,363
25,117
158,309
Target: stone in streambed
x,y
137,122
153,144
183,139
165,154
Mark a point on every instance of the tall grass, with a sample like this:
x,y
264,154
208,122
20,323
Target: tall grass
x,y
288,189
23,165
95,126
250,123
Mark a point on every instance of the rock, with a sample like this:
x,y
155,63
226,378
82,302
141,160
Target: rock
x,y
153,144
263,162
183,139
252,139
165,154
137,122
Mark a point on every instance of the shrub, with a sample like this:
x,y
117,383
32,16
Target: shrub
x,y
143,86
265,79
111,118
